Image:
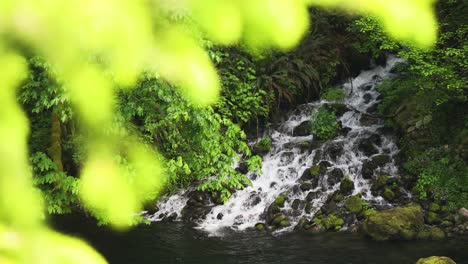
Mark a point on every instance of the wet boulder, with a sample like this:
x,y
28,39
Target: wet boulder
x,y
388,194
295,204
330,206
396,223
367,145
430,233
271,212
367,98
338,108
279,201
303,129
367,120
305,186
313,175
334,150
379,184
369,166
312,196
366,87
346,186
242,168
308,208
335,176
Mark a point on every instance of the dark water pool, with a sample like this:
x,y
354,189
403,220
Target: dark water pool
x,y
176,243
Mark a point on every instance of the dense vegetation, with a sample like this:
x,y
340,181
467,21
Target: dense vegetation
x,y
427,103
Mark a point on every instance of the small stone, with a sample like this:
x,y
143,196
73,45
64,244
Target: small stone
x,y
277,220
219,216
279,201
463,214
260,226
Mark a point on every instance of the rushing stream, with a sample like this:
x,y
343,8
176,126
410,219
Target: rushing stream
x,y
282,168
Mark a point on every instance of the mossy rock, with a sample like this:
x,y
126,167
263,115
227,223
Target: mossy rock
x,y
279,201
446,223
444,209
308,208
435,260
305,186
317,170
388,194
368,212
379,183
262,147
396,223
432,218
436,233
277,220
424,234
338,197
433,207
332,221
346,186
260,226
295,204
284,223
353,204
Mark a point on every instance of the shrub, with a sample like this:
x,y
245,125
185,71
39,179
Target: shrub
x,y
440,176
324,124
333,94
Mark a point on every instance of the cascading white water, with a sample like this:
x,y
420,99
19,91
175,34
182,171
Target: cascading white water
x,y
286,162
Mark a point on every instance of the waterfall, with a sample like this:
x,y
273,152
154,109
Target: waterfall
x,y
284,165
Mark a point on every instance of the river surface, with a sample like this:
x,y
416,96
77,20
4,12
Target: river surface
x,y
178,243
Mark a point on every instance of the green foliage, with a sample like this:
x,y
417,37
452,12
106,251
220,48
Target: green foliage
x,y
41,92
441,176
197,143
324,124
372,38
333,94
242,99
59,190
333,222
394,91
262,147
